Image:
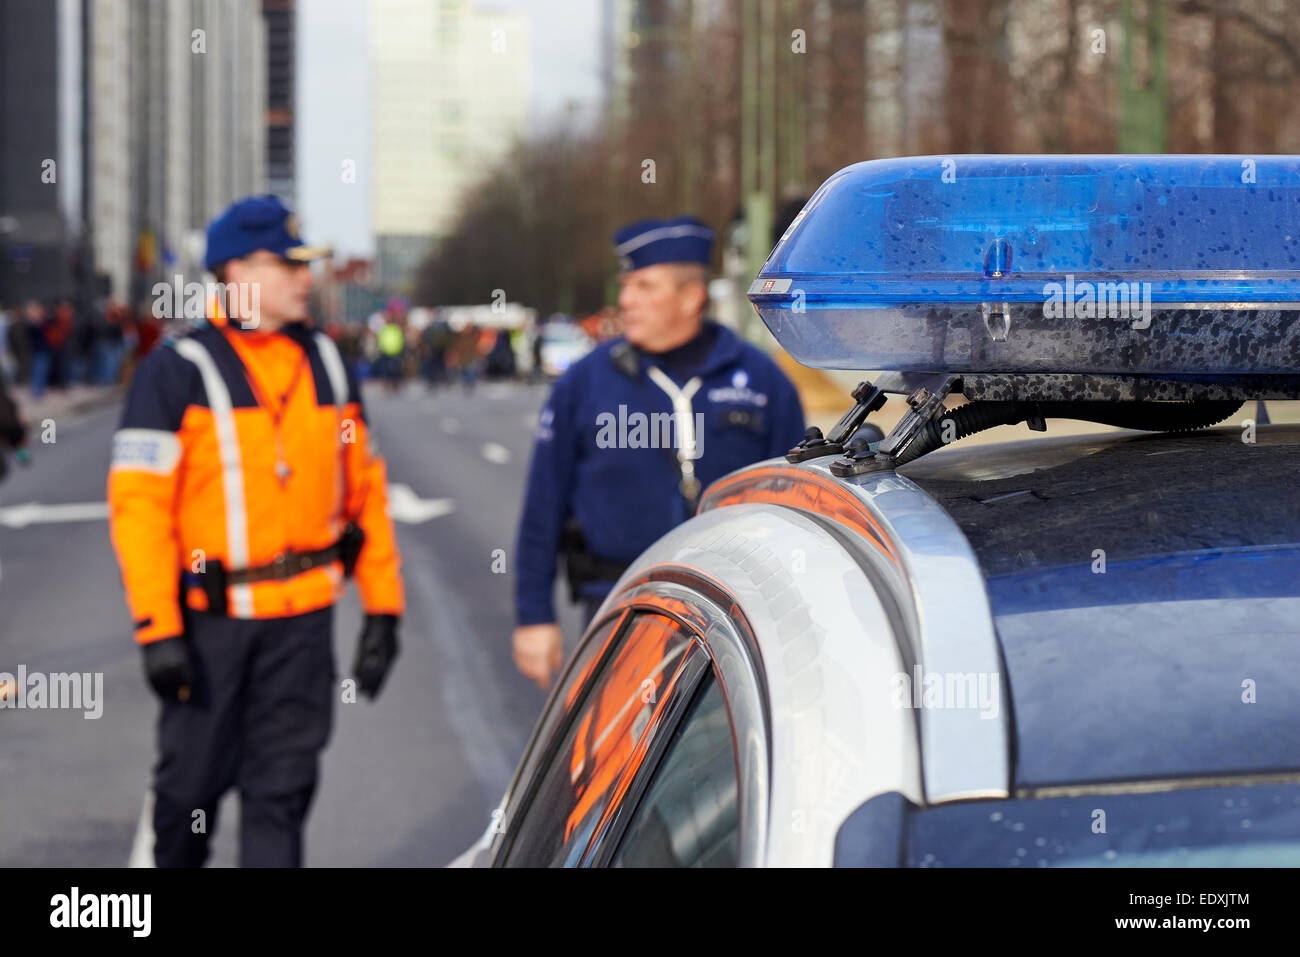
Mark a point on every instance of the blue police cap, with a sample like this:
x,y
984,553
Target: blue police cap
x,y
257,222
649,242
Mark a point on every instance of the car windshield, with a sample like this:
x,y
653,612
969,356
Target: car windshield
x,y
1257,826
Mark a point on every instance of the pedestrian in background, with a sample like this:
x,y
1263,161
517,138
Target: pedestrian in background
x,y
20,347
38,347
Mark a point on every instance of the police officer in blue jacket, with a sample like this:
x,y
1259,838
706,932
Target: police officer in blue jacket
x,y
632,432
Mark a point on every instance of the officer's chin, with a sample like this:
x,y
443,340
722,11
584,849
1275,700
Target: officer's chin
x,y
634,331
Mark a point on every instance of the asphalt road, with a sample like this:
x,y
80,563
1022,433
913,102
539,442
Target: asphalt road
x,y
408,780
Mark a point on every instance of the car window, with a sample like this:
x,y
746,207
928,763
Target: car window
x,y
688,817
600,743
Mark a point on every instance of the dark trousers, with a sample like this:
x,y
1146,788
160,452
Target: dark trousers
x,y
258,720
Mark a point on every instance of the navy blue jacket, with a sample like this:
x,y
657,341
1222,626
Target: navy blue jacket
x,y
625,497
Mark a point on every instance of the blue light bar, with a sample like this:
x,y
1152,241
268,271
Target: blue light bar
x,y
1138,265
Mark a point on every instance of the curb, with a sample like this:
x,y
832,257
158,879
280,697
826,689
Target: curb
x,y
34,411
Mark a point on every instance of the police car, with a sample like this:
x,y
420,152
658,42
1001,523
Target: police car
x,y
912,651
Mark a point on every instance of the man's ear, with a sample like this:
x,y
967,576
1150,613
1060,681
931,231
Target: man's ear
x,y
697,294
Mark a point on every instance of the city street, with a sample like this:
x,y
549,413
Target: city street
x,y
408,780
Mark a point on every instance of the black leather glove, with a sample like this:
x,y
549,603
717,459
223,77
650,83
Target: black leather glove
x,y
169,669
376,650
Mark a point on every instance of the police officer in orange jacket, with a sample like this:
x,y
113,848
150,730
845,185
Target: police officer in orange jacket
x,y
242,492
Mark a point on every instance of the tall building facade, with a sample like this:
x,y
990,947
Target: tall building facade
x,y
281,83
170,125
449,96
34,259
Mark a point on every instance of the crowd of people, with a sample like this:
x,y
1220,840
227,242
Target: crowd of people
x,y
393,349
54,344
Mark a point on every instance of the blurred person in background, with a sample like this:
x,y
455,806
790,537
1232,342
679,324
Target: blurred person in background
x,y
13,428
20,346
243,492
499,363
392,345
59,331
469,356
7,365
535,371
112,343
434,340
35,319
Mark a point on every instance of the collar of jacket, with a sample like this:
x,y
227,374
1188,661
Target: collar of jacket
x,y
298,331
727,350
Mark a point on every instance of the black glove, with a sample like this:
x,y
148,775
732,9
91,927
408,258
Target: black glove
x,y
376,650
168,668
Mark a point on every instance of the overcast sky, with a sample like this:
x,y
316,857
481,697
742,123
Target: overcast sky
x,y
333,113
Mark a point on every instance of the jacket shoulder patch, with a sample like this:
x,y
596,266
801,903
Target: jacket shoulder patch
x,y
146,450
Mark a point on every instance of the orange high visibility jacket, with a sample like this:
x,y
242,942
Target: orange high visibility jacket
x,y
239,446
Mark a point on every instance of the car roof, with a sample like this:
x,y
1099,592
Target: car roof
x,y
1180,655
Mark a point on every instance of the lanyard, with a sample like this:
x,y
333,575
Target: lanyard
x,y
687,441
282,469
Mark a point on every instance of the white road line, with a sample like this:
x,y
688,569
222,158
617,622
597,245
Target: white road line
x,y
20,516
405,506
142,845
473,692
495,453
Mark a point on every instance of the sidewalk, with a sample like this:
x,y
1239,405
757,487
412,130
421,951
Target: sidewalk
x,y
63,403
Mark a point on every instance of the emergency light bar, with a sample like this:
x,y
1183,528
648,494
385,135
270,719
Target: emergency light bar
x,y
1184,266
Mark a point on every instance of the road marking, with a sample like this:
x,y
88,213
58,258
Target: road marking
x,y
450,426
34,513
474,694
142,844
495,453
405,506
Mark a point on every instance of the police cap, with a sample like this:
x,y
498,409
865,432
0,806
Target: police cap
x,y
649,242
257,222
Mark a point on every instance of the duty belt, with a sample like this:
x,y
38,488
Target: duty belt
x,y
284,565
581,565
216,578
